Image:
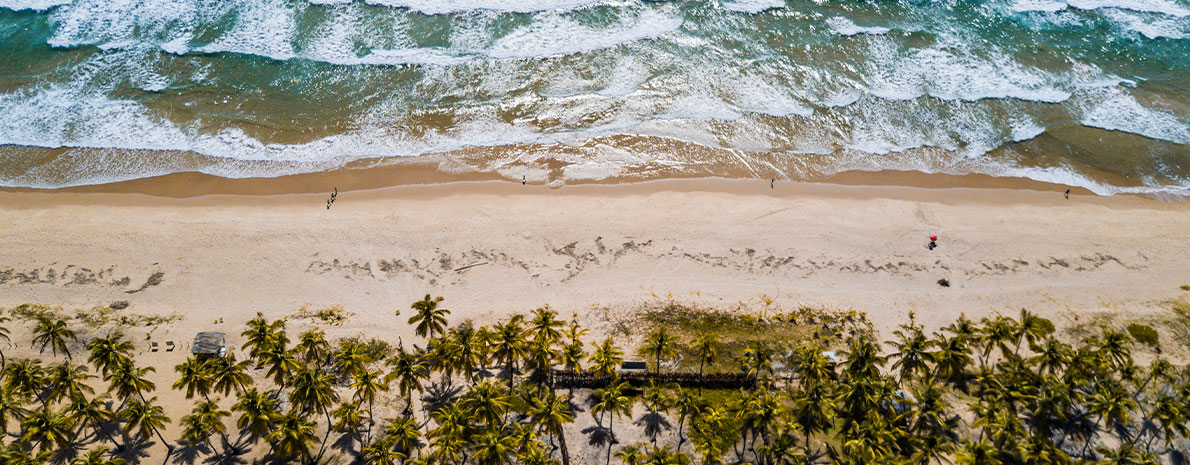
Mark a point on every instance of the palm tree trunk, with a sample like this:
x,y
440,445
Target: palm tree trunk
x,y
611,440
562,443
322,447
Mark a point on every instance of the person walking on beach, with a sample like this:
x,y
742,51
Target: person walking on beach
x,y
933,242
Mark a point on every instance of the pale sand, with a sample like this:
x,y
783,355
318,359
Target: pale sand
x,y
712,242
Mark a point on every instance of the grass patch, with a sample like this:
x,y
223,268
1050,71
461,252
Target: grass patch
x,y
1144,334
102,316
34,312
333,316
1185,287
375,349
1179,322
737,330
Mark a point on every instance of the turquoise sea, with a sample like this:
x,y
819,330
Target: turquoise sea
x,y
1094,93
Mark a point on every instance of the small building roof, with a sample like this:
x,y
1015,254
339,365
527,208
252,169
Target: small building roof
x,y
208,343
634,365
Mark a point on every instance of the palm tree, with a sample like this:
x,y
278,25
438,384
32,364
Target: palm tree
x,y
205,420
910,353
257,412
409,371
465,353
952,357
659,344
194,376
11,406
261,335
227,374
280,362
46,429
348,420
97,457
509,345
292,436
1111,404
53,333
612,400
487,401
403,433
67,379
492,447
126,379
314,392
706,349
313,346
366,385
25,377
90,412
545,324
146,418
3,335
553,413
606,359
351,358
109,351
430,319
380,453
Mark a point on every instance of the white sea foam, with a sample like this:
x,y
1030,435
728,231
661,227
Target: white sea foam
x,y
557,35
1038,5
1119,111
752,6
35,5
119,23
1152,28
263,28
845,27
949,71
1165,7
437,7
754,94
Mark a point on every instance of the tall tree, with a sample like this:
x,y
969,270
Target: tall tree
x,y
612,400
53,333
553,413
659,344
430,319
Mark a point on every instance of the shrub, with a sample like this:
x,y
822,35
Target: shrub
x,y
1143,333
1186,287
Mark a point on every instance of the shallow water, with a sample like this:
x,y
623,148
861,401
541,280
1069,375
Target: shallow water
x,y
1084,92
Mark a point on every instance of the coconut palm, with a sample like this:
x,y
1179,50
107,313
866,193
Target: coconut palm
x,y
12,406
366,386
46,429
90,412
204,421
313,391
553,413
612,400
409,371
194,376
606,359
229,375
706,348
351,358
25,377
911,353
659,344
146,418
262,335
951,358
109,351
493,447
403,433
545,325
257,412
53,333
313,346
128,380
3,335
281,363
509,345
488,402
67,379
98,456
292,436
465,353
380,453
430,319
349,420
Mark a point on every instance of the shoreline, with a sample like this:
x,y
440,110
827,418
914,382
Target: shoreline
x,y
432,170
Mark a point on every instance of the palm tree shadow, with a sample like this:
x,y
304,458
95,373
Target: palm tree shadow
x,y
133,452
65,455
189,454
439,395
654,423
574,407
228,457
598,436
345,443
1178,457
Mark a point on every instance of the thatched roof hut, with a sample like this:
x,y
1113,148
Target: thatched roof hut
x,y
209,343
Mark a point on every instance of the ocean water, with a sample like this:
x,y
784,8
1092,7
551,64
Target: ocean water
x,y
1093,93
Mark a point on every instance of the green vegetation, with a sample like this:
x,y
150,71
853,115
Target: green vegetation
x,y
1185,287
1144,334
1001,390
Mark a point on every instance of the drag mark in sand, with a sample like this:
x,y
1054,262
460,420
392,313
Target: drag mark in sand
x,y
559,263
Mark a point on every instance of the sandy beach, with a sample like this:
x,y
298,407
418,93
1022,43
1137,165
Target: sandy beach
x,y
209,263
494,248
